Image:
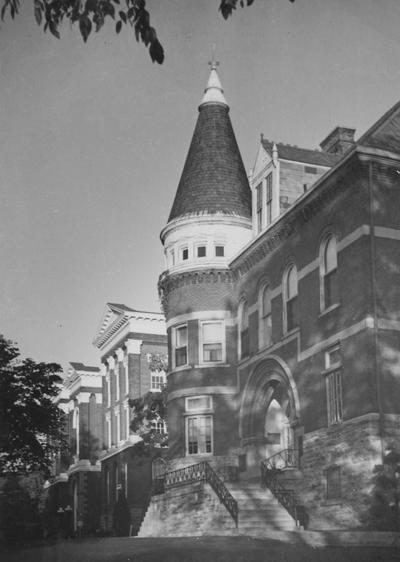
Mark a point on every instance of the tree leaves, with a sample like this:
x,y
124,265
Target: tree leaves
x,y
31,424
91,14
85,27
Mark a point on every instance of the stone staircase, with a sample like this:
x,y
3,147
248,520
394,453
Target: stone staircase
x,y
259,511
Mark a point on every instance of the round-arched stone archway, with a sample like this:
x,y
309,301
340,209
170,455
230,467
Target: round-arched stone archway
x,y
269,413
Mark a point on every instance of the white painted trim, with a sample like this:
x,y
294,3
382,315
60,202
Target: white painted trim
x,y
202,315
307,269
84,397
201,342
365,417
363,230
367,323
342,335
388,324
389,233
198,415
133,346
133,439
201,390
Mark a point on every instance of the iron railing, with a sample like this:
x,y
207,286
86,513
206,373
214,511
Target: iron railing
x,y
201,472
288,458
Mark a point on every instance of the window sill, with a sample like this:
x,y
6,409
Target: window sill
x,y
180,368
328,310
210,364
291,332
264,347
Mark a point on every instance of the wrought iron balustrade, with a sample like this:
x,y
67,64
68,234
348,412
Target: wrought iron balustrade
x,y
201,472
287,458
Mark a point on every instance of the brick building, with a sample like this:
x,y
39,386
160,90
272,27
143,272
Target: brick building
x,y
103,464
281,301
128,341
73,495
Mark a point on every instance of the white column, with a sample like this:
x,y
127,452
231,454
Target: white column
x,y
111,365
120,355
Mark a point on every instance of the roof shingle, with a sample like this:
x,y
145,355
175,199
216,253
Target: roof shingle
x,y
213,179
305,155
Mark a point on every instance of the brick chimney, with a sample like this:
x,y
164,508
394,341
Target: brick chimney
x,y
339,141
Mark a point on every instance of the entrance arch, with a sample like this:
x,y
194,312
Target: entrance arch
x,y
269,413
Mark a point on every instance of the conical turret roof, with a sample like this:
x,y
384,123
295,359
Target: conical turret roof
x,y
213,179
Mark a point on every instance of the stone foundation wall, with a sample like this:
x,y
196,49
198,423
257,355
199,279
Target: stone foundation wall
x,y
354,447
191,510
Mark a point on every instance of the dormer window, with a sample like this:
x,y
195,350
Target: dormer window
x,y
259,190
268,185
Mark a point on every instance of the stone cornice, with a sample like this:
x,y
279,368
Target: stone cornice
x,y
204,219
168,283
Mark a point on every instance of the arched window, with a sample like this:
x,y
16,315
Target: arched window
x,y
290,298
243,329
265,319
328,268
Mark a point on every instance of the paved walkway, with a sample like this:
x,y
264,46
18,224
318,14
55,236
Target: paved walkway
x,y
202,549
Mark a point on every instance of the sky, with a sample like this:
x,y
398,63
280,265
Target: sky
x,y
93,139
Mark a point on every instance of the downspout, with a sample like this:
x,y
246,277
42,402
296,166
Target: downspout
x,y
374,308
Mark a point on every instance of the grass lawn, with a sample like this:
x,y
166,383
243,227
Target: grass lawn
x,y
203,549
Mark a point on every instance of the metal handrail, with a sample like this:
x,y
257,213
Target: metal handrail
x,y
203,472
288,458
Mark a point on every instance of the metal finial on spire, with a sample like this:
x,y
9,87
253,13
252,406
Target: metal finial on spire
x,y
213,63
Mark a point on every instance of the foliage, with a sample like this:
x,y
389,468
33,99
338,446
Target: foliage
x,y
31,424
91,15
146,412
158,362
384,510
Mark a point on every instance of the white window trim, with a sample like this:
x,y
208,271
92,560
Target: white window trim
x,y
208,410
180,257
261,335
330,370
160,374
201,342
199,415
174,332
285,298
322,272
201,244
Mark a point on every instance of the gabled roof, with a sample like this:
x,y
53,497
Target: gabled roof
x,y
305,155
213,179
385,133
